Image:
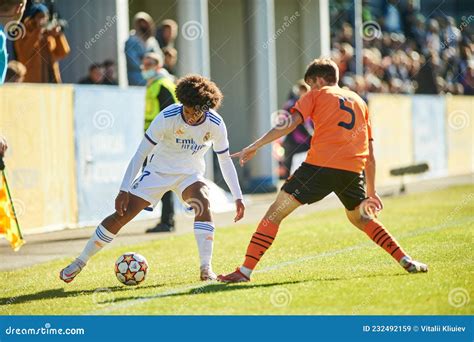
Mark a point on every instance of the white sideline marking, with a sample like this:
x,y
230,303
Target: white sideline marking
x,y
138,300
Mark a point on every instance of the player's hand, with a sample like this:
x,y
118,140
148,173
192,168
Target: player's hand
x,y
377,198
3,146
121,202
246,154
240,210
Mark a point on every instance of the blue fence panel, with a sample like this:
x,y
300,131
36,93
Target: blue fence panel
x,y
429,133
108,128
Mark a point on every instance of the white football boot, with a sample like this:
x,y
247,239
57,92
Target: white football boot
x,y
413,266
68,273
207,273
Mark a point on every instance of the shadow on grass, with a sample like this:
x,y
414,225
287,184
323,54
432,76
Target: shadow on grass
x,y
60,293
207,288
214,287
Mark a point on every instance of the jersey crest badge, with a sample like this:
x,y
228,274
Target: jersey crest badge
x,y
207,136
179,131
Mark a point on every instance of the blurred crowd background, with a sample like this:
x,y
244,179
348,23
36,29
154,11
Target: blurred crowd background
x,y
405,51
35,56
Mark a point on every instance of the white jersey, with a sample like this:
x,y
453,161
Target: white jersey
x,y
180,147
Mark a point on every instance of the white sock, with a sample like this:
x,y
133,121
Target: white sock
x,y
204,233
246,271
98,240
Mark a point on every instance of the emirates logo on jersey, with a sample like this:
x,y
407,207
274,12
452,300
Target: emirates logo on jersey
x,y
189,144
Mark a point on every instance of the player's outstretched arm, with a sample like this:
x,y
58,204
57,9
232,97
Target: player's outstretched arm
x,y
275,133
232,180
144,149
370,176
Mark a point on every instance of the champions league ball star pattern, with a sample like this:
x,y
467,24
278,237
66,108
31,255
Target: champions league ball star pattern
x,y
131,268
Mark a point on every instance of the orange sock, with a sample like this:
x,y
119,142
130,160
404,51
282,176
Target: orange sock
x,y
261,240
377,232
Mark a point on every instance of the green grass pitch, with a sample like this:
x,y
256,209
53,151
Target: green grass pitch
x,y
319,264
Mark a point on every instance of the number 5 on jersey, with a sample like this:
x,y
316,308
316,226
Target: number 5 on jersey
x,y
346,125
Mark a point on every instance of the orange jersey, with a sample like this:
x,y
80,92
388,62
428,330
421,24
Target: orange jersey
x,y
341,128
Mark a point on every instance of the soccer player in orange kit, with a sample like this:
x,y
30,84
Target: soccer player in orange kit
x,y
340,160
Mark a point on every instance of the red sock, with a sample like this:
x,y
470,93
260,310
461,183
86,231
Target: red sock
x,y
377,232
261,240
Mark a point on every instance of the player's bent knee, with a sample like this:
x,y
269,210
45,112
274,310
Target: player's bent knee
x,y
202,209
274,214
115,222
356,218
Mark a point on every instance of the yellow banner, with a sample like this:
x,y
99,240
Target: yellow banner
x,y
393,134
460,134
37,121
8,224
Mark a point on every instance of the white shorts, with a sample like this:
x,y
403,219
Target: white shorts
x,y
152,185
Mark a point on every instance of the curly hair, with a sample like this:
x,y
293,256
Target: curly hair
x,y
198,92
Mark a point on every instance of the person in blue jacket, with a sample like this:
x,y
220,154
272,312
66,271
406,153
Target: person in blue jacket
x,y
11,12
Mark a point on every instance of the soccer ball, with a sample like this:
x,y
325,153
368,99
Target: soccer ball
x,y
131,268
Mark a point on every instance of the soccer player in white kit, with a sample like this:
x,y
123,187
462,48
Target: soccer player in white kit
x,y
175,143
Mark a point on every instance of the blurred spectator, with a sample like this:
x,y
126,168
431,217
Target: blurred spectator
x,y
409,19
419,31
426,76
160,93
95,76
451,35
171,58
346,60
467,79
10,11
140,42
433,41
42,47
347,34
160,87
298,140
167,32
109,72
392,19
15,72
